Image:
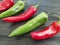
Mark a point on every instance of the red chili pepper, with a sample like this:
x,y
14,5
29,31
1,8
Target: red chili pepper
x,y
46,33
25,16
6,4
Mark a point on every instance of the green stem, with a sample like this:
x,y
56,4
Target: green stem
x,y
59,21
36,6
58,18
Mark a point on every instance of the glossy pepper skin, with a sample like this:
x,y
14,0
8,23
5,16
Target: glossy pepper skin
x,y
25,16
13,10
30,25
47,32
6,4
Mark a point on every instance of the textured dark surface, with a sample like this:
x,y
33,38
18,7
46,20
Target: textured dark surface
x,y
45,5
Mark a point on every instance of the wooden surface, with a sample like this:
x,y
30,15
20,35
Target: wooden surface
x,y
46,6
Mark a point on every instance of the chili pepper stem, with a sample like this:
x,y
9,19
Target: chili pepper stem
x,y
58,18
36,6
59,21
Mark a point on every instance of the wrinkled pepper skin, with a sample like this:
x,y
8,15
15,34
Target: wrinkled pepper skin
x,y
13,10
25,16
6,4
47,32
30,25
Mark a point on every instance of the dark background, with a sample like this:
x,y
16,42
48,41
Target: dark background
x,y
46,6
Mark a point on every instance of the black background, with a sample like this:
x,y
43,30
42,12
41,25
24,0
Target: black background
x,y
46,6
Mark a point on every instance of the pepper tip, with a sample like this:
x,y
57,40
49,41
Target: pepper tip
x,y
10,35
4,19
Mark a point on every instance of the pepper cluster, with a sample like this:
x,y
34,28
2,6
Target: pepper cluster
x,y
10,9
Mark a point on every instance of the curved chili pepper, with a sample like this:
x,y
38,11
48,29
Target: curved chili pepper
x,y
25,16
6,4
47,32
30,25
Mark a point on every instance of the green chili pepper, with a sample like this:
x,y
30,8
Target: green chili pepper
x,y
13,10
30,25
